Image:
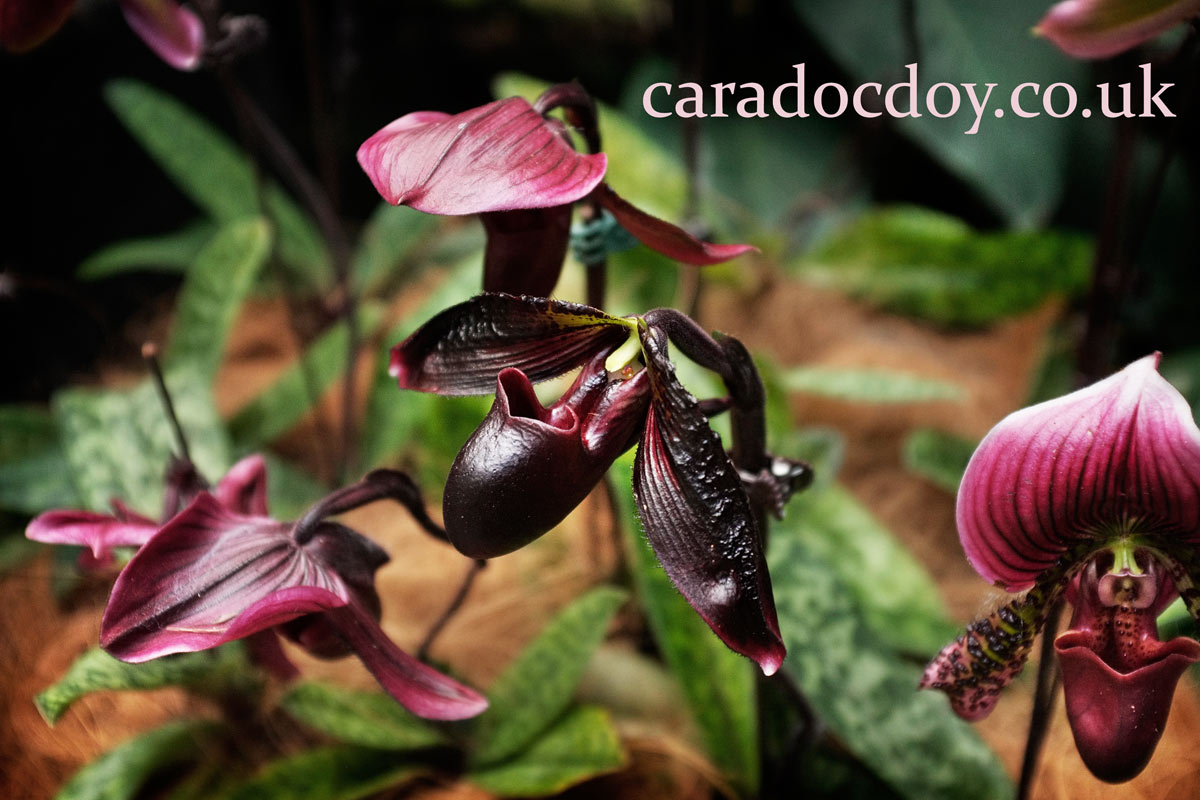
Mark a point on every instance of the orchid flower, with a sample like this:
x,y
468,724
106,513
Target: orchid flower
x,y
1093,497
1103,28
514,165
527,466
174,33
211,575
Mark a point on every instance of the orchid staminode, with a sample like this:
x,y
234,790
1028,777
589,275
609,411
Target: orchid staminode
x,y
1095,497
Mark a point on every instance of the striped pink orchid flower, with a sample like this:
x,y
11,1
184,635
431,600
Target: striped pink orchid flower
x,y
1093,497
516,167
1103,28
173,32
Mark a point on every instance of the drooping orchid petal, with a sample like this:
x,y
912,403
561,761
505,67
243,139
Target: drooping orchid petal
x,y
1103,28
526,467
174,33
698,519
244,487
525,249
100,533
212,575
462,350
24,24
1120,455
497,157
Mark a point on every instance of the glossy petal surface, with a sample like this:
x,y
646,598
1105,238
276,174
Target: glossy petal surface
x,y
1103,28
98,532
668,239
698,519
497,157
525,249
462,350
174,33
1124,452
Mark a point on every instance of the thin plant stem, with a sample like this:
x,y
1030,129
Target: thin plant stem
x,y
456,603
150,356
1045,694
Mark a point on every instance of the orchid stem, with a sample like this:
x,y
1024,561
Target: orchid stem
x,y
150,356
456,603
380,484
1045,694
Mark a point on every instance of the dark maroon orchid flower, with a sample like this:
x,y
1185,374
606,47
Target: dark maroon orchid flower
x,y
212,575
527,465
515,166
1095,496
174,33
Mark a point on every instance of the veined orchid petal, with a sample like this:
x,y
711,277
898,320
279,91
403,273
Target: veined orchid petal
x,y
174,33
98,532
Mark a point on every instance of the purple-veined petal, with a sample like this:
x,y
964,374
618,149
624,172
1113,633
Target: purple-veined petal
x,y
1122,452
525,249
24,24
462,350
1103,28
174,33
98,532
497,157
244,488
668,239
211,575
698,519
416,686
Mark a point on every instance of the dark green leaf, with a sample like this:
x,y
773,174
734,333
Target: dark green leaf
x,y
120,773
718,683
33,474
863,691
581,745
940,457
387,241
117,443
211,670
534,690
1015,164
293,394
170,252
868,385
339,772
290,490
370,719
213,292
28,431
298,240
929,265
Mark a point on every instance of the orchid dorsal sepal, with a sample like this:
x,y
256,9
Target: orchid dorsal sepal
x,y
380,484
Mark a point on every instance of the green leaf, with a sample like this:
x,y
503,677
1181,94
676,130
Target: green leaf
x,y
118,443
897,599
285,402
33,474
213,292
868,385
718,683
538,685
581,745
938,456
290,489
339,772
15,551
170,252
216,670
370,719
862,689
933,266
214,174
120,773
387,241
1017,165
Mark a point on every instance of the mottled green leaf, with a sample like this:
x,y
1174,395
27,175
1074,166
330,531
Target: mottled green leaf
x,y
938,456
579,746
370,719
338,772
387,242
16,550
293,394
538,685
896,597
214,174
290,489
718,683
170,252
213,292
933,266
120,773
222,668
33,475
868,385
862,689
118,443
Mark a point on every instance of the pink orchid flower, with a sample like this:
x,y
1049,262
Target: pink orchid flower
x,y
1094,496
1103,28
